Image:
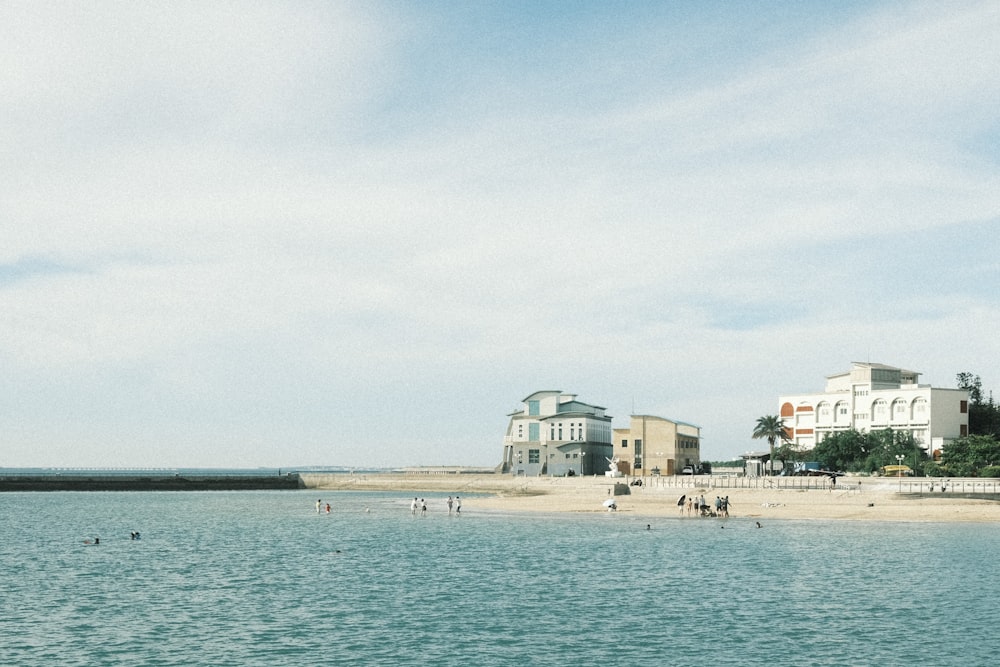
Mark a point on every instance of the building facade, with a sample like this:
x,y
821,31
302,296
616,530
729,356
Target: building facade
x,y
553,433
873,397
656,446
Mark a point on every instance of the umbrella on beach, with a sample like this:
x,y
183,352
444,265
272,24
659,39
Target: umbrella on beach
x,y
610,502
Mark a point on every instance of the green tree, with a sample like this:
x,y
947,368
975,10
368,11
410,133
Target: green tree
x,y
772,429
886,446
965,457
972,384
842,450
786,452
984,414
867,452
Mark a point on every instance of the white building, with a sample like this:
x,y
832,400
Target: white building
x,y
555,434
873,397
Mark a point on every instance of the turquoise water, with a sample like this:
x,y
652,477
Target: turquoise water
x,y
258,578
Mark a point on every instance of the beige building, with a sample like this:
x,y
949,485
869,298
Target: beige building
x,y
656,446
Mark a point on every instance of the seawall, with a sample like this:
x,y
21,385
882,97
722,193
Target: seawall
x,y
118,482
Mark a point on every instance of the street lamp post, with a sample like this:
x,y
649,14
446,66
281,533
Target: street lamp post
x,y
899,471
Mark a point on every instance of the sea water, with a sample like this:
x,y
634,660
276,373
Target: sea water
x,y
261,578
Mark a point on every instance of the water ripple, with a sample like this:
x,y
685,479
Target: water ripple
x,y
258,578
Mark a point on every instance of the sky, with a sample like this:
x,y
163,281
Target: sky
x,y
360,233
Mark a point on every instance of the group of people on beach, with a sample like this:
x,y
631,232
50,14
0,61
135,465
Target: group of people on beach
x,y
698,505
454,505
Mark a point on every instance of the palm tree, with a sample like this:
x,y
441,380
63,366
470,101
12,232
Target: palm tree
x,y
771,428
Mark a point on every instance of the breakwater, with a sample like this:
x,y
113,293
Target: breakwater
x,y
148,481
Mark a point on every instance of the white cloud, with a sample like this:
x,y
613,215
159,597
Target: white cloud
x,y
217,217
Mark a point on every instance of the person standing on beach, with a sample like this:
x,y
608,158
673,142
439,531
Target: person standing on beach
x,y
413,506
319,505
450,504
680,504
458,505
423,506
328,508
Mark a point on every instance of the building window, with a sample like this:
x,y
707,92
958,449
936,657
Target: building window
x,y
624,444
520,431
638,448
963,430
533,456
963,407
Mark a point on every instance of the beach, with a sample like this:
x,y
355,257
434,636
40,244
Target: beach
x,y
851,498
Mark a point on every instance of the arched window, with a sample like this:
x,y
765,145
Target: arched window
x,y
899,411
824,413
842,413
880,411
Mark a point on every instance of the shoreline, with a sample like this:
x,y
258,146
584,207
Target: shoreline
x,y
855,498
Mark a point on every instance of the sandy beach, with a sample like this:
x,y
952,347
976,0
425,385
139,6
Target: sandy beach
x,y
853,498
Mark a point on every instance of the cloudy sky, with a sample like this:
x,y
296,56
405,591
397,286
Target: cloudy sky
x,y
337,233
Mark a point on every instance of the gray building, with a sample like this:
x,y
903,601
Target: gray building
x,y
553,433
